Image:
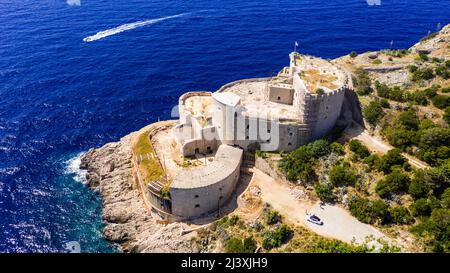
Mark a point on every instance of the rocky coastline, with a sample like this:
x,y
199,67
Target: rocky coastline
x,y
127,221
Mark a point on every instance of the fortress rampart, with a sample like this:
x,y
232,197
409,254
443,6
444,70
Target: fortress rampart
x,y
282,113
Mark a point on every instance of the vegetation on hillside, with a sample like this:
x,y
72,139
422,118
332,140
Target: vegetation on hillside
x,y
402,195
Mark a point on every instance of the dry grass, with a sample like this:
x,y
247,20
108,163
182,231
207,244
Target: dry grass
x,y
149,168
314,80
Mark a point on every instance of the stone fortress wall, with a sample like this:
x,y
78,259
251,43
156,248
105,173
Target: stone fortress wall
x,y
271,114
205,189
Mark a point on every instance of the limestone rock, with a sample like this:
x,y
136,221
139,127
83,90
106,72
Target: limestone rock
x,y
127,220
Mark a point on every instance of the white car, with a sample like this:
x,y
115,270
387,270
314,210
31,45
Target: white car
x,y
314,219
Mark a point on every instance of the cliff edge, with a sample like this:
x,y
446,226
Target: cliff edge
x,y
127,220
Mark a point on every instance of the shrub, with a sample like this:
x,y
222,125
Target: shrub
x,y
368,211
442,71
276,238
431,91
372,160
399,53
420,207
273,217
299,164
320,91
362,82
440,222
429,182
324,191
400,215
399,136
412,68
342,176
336,246
382,89
422,57
445,199
433,144
446,115
233,220
237,245
422,74
408,119
395,182
353,54
441,101
319,148
358,148
385,103
418,97
249,245
373,112
337,148
376,61
390,159
397,93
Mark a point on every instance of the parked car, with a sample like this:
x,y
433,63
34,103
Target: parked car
x,y
314,219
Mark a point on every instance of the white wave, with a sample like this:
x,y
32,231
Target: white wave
x,y
9,170
73,169
129,26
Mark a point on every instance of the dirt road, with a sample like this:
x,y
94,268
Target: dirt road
x,y
338,223
378,145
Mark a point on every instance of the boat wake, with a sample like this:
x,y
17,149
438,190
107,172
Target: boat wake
x,y
129,26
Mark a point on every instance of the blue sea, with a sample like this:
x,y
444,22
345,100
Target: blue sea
x,y
60,95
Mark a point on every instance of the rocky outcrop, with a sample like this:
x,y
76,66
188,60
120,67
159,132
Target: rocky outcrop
x,y
434,43
127,220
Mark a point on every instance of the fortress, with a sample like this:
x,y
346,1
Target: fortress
x,y
201,154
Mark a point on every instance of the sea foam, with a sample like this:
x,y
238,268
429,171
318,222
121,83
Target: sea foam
x,y
73,169
129,26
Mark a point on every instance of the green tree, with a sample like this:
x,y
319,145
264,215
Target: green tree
x,y
382,90
368,211
362,82
441,101
276,238
337,148
446,115
391,159
420,207
342,176
440,226
420,186
408,119
273,217
400,215
358,148
249,245
324,191
397,93
353,54
234,245
395,182
373,112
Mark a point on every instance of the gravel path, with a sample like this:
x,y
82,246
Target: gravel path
x,y
338,223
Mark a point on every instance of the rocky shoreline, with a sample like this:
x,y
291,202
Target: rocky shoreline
x,y
127,221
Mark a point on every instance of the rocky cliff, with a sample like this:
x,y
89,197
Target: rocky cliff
x,y
127,221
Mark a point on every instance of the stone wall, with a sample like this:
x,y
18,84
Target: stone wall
x,y
194,194
280,94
